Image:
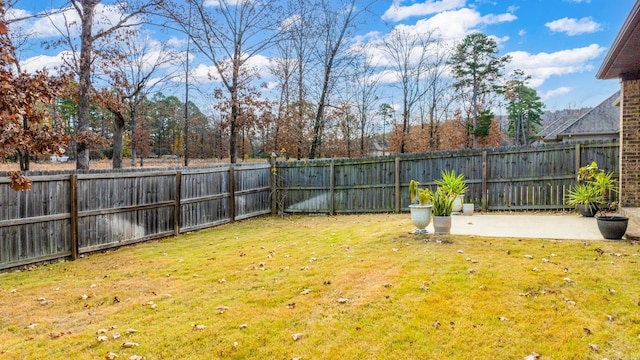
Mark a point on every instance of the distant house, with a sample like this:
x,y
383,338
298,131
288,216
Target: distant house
x,y
378,148
602,123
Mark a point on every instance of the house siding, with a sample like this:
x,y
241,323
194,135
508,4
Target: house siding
x,y
630,144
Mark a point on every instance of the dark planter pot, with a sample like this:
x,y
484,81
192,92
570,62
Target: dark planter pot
x,y
612,227
586,210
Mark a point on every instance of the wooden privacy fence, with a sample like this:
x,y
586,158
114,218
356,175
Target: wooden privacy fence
x,y
65,215
535,178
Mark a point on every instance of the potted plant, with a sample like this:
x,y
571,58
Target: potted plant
x,y
595,189
602,182
612,227
420,206
455,186
442,209
585,198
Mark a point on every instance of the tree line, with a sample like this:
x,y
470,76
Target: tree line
x,y
329,96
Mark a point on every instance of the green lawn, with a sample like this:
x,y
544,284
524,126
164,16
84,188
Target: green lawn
x,y
348,287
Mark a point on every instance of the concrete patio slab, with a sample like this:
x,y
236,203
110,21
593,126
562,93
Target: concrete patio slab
x,y
541,226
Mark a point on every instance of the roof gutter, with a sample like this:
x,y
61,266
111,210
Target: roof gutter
x,y
605,71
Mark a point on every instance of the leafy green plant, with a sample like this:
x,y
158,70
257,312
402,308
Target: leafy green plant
x,y
584,194
422,196
442,203
593,189
452,183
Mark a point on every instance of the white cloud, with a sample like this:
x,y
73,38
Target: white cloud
x,y
397,12
14,13
573,26
40,62
500,40
176,43
578,1
522,32
45,27
204,73
555,92
541,66
208,73
455,25
227,2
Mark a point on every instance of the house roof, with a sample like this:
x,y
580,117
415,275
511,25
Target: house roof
x,y
549,132
622,60
602,119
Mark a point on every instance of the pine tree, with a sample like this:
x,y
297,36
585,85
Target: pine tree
x,y
524,109
477,68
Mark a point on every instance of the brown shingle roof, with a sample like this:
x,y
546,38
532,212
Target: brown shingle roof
x,y
602,119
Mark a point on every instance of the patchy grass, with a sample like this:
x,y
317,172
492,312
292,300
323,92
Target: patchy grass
x,y
254,284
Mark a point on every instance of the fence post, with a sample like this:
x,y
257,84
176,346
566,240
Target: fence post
x,y
232,194
485,194
176,207
577,160
332,186
273,171
73,212
398,202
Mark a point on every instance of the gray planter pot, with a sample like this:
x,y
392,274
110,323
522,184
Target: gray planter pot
x,y
442,224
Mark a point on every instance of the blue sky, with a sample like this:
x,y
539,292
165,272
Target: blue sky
x,y
559,43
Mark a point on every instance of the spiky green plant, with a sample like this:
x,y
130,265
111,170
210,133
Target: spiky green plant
x,y
452,183
584,194
442,203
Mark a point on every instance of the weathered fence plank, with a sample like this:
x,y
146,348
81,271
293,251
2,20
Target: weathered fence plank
x,y
204,199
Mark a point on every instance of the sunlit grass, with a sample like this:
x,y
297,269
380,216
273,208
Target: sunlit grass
x,y
409,296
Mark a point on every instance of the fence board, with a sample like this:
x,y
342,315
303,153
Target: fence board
x,y
204,199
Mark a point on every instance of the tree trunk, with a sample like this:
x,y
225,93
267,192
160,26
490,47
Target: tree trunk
x,y
118,127
86,49
23,155
133,133
233,129
318,124
474,101
23,159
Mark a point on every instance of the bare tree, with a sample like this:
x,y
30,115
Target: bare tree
x,y
81,59
134,70
365,84
335,26
230,33
283,67
439,96
299,40
408,57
